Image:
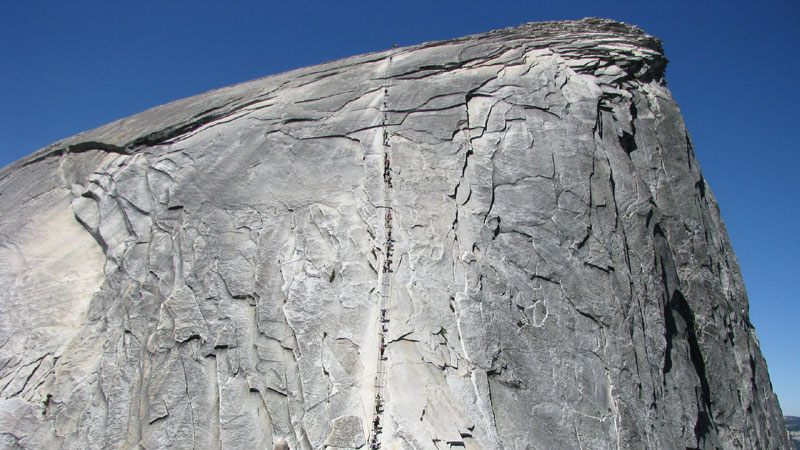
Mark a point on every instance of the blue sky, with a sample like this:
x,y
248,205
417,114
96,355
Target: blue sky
x,y
66,67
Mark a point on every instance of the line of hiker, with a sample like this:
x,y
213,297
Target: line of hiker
x,y
387,268
377,428
380,378
387,170
387,264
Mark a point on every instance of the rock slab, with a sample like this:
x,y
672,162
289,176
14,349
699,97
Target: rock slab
x,y
205,274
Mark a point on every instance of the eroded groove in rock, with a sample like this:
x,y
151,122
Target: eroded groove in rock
x,y
214,273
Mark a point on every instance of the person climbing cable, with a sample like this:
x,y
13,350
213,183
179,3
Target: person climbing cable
x,y
281,444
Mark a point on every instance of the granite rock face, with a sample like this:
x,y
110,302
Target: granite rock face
x,y
211,273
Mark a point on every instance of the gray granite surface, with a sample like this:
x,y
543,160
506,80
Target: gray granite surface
x,y
210,273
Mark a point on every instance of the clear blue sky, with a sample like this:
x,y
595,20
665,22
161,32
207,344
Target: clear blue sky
x,y
70,66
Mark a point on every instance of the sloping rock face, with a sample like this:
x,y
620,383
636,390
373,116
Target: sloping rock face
x,y
506,237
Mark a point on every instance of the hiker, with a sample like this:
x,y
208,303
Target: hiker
x,y
281,444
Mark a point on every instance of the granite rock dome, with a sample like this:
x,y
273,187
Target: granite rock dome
x,y
501,241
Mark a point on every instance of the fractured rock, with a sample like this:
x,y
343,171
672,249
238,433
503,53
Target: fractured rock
x,y
346,432
207,274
